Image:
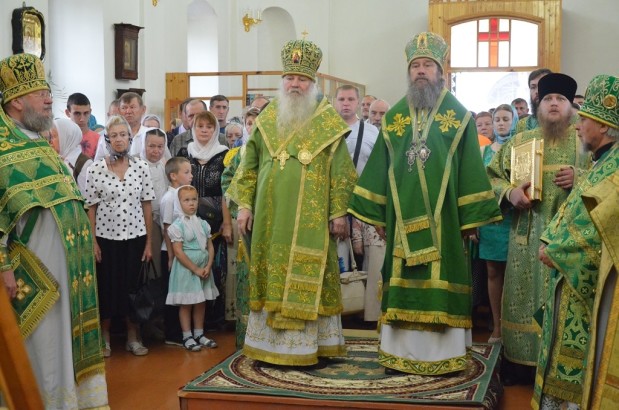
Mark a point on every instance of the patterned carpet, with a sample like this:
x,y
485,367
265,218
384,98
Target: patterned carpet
x,y
358,377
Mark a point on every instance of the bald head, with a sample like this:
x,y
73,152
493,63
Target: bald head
x,y
378,108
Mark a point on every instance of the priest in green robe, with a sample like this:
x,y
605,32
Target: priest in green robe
x,y
425,188
571,247
526,279
46,247
292,189
601,390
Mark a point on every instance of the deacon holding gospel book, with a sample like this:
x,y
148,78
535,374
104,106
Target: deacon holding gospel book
x,y
526,280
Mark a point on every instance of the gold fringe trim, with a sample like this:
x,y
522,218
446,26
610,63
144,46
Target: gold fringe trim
x,y
419,257
332,351
417,224
563,390
47,297
90,371
421,318
292,313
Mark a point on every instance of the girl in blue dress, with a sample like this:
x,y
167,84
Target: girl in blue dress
x,y
191,279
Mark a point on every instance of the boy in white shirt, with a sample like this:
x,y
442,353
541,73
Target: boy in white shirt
x,y
178,171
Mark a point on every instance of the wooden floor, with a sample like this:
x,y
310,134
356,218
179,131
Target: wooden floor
x,y
152,381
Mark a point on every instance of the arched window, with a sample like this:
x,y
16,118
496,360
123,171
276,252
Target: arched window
x,y
495,44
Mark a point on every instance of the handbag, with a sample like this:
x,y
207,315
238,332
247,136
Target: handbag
x,y
209,209
353,287
147,298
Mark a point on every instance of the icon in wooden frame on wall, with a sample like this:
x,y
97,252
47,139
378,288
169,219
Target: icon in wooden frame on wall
x,y
126,51
28,31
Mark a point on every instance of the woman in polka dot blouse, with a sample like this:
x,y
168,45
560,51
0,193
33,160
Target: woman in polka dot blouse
x,y
119,192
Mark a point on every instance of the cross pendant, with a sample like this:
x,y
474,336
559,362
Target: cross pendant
x,y
411,155
282,157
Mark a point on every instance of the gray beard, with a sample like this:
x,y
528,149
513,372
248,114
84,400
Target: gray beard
x,y
424,94
36,122
295,109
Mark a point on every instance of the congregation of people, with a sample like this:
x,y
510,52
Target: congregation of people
x,y
251,223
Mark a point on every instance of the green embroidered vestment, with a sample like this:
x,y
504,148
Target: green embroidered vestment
x,y
424,208
574,246
526,278
294,185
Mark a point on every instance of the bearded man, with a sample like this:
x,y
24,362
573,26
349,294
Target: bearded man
x,y
292,189
530,121
526,279
46,248
424,186
571,247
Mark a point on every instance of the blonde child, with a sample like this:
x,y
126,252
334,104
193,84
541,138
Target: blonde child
x,y
178,171
191,283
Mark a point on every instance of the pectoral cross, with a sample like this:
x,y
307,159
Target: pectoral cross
x,y
411,156
283,157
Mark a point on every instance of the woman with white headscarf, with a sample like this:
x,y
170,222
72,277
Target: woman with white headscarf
x,y
66,139
206,156
153,149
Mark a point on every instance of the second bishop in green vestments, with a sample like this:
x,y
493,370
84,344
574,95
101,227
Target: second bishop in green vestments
x,y
425,184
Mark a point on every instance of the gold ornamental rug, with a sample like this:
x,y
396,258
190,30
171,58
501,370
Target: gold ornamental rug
x,y
356,378
37,290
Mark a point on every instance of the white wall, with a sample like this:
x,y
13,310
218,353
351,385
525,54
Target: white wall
x,y
590,36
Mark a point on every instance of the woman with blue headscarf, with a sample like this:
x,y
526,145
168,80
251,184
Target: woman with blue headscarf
x,y
494,238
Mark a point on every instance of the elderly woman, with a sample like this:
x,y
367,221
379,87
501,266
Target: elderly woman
x,y
206,156
119,192
234,132
66,137
152,152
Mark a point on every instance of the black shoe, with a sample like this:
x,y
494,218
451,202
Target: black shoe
x,y
392,372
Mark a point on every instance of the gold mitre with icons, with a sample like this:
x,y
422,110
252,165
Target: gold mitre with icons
x,y
601,100
301,57
21,74
429,45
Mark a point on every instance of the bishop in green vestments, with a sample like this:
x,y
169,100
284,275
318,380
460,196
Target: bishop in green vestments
x,y
526,279
293,185
425,186
571,248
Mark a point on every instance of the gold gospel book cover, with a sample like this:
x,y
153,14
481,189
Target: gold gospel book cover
x,y
527,163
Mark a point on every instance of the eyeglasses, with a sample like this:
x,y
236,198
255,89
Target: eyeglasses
x,y
43,94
